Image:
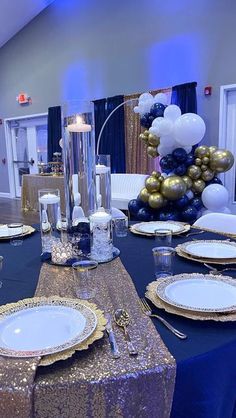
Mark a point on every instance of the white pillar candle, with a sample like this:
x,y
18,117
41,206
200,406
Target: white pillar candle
x,y
49,199
101,169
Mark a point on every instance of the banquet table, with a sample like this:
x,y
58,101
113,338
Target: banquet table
x,y
205,384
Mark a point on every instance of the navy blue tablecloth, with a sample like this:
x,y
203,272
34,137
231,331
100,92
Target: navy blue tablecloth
x,y
206,366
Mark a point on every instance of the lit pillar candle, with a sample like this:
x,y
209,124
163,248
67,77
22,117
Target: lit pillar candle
x,y
79,126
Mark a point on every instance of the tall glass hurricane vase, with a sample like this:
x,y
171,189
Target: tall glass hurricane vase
x,y
103,181
79,160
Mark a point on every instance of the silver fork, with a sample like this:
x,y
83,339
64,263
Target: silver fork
x,y
112,340
195,233
214,270
147,310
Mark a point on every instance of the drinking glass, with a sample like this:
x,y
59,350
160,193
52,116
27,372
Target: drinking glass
x,y
163,237
163,261
81,271
121,226
15,232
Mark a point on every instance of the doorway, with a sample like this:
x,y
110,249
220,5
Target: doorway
x,y
26,139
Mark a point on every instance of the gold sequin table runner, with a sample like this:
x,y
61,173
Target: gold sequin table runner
x,y
92,384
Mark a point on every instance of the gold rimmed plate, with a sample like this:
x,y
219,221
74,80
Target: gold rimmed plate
x,y
27,230
199,292
53,327
148,228
223,262
210,249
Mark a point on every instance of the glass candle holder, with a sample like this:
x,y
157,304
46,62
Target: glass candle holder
x,y
79,159
101,230
61,252
103,181
49,209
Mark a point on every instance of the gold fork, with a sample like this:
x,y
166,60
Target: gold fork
x,y
148,311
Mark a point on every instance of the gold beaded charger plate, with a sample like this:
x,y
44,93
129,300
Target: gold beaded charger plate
x,y
151,294
27,230
53,327
211,249
148,228
200,292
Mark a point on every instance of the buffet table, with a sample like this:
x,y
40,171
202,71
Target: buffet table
x,y
206,370
32,183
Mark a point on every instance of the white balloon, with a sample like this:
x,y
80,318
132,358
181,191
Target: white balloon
x,y
215,196
61,143
188,149
168,140
172,112
189,129
160,98
146,97
153,130
164,126
165,149
136,109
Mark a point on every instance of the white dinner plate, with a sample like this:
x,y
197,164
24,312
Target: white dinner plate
x,y
150,227
211,249
203,293
45,328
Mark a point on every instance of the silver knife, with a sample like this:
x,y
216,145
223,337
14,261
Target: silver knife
x,y
112,339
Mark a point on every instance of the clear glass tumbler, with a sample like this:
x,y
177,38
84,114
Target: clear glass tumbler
x,y
121,226
15,232
163,261
81,271
163,237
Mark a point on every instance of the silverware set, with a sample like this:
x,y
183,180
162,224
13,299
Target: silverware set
x,y
214,270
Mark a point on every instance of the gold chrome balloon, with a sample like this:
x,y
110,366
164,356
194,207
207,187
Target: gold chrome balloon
x,y
144,195
156,200
221,160
143,138
198,161
198,186
146,133
204,167
152,184
208,175
205,160
156,174
212,149
188,181
194,172
202,151
152,152
173,187
153,140
161,178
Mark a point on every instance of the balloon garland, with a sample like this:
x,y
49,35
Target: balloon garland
x,y
187,169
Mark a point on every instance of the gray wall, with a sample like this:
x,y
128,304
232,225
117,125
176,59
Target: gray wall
x,y
92,49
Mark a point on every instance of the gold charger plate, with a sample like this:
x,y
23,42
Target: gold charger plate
x,y
27,230
151,294
185,227
62,353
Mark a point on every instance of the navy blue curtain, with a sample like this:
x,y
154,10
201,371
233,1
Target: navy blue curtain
x,y
184,96
113,137
54,131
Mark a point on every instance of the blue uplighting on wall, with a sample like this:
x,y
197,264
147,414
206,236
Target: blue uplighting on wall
x,y
174,60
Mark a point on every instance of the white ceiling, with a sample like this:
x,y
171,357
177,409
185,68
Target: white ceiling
x,y
15,14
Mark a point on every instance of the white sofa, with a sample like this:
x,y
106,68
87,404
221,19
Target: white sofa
x,y
125,187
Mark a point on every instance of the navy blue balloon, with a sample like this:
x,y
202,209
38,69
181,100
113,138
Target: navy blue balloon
x,y
157,110
180,170
145,121
134,206
166,215
180,155
167,163
190,160
215,180
189,214
144,214
196,202
182,202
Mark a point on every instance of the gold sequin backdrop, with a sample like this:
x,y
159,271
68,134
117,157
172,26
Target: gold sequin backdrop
x,y
137,160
